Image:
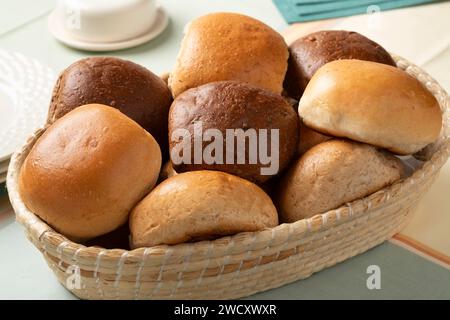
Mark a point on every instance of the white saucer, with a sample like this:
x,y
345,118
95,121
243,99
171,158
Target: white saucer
x,y
161,22
25,91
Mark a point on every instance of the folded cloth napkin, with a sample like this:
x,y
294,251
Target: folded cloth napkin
x,y
309,10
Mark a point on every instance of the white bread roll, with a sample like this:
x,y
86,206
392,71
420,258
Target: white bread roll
x,y
230,46
88,170
200,205
372,103
331,174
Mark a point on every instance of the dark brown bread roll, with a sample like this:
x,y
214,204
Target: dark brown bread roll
x,y
234,105
167,171
127,86
309,138
116,239
309,53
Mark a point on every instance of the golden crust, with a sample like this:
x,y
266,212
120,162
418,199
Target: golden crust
x,y
88,170
200,205
372,103
230,46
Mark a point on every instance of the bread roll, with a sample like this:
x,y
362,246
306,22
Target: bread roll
x,y
309,138
310,52
200,205
121,84
167,171
88,170
229,105
116,239
331,174
165,77
230,46
373,103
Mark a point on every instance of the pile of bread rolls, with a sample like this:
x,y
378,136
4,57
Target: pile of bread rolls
x,y
101,173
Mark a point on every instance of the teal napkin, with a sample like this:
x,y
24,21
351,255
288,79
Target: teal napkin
x,y
309,10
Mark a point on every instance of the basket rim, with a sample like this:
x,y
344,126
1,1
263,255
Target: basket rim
x,y
48,236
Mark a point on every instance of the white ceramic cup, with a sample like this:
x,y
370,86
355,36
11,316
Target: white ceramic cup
x,y
103,21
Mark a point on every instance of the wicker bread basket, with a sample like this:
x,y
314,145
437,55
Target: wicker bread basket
x,y
243,264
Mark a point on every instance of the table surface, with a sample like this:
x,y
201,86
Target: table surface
x,y
415,264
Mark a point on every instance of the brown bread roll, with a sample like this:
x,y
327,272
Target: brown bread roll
x,y
331,174
116,239
229,105
200,205
309,53
230,46
309,138
121,84
167,171
373,103
88,170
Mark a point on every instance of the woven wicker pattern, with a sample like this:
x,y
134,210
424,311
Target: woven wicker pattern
x,y
240,265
